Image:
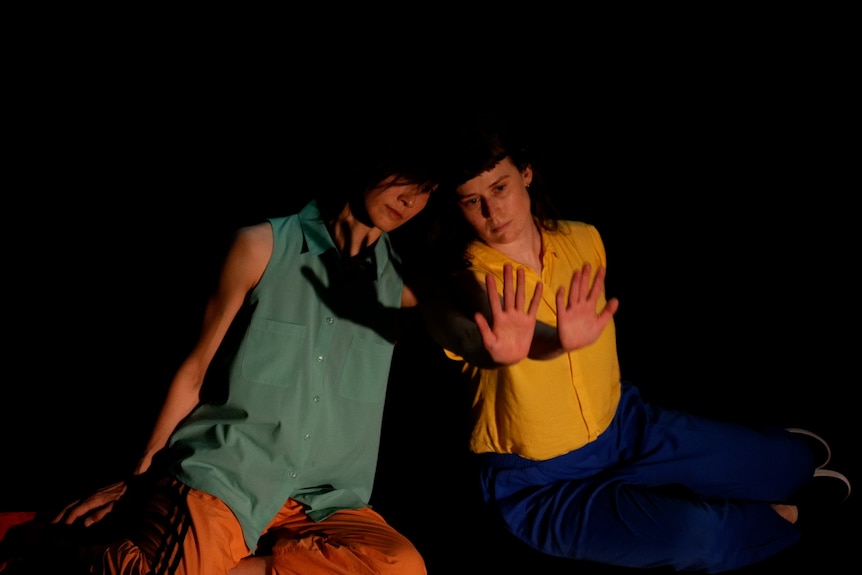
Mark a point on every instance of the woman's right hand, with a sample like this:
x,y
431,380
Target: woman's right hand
x,y
508,337
92,509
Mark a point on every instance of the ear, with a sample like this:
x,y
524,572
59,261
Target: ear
x,y
527,174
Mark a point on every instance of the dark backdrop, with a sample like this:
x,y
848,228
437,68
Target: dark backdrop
x,y
723,190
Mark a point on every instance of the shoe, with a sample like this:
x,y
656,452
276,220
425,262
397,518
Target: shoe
x,y
817,444
827,489
838,483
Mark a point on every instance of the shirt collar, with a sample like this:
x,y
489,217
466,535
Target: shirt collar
x,y
316,238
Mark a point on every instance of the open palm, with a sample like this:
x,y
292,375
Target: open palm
x,y
509,335
578,322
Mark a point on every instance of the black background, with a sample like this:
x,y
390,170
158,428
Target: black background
x,y
720,166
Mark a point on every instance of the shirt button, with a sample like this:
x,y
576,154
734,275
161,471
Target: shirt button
x,y
330,320
316,399
306,437
293,474
319,359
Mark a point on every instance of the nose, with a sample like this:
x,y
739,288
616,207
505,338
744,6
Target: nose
x,y
407,198
489,210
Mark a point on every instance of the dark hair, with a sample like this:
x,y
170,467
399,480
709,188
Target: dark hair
x,y
480,142
370,146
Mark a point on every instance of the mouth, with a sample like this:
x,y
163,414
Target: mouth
x,y
498,229
394,214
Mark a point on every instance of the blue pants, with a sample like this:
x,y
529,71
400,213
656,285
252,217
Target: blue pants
x,y
658,488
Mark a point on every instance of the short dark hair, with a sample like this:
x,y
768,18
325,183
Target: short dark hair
x,y
366,146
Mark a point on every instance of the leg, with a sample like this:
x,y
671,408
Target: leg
x,y
634,526
350,542
659,487
716,459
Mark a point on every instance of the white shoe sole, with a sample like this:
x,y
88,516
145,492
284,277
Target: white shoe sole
x,y
820,472
813,435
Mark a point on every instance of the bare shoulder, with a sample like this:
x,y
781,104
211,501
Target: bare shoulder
x,y
256,239
254,233
250,252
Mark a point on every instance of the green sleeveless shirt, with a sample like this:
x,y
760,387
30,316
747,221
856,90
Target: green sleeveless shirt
x,y
303,409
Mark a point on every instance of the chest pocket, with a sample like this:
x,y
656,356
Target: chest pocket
x,y
365,372
273,352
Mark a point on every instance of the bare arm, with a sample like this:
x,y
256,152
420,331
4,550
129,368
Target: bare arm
x,y
408,297
243,266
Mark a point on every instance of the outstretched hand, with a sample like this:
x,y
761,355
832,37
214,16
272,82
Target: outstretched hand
x,y
510,334
578,322
94,508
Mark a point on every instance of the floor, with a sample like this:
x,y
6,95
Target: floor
x,y
452,530
739,299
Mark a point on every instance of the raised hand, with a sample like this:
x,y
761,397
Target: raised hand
x,y
578,322
510,334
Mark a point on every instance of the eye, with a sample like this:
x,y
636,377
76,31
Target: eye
x,y
427,189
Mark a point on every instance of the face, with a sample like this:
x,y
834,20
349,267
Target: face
x,y
392,202
496,203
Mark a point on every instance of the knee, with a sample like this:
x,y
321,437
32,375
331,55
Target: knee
x,y
318,554
408,561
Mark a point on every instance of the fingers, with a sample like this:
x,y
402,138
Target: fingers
x,y
508,291
61,517
514,292
81,508
584,285
484,329
598,283
507,332
493,299
98,514
71,513
612,306
561,299
93,508
534,303
580,289
519,288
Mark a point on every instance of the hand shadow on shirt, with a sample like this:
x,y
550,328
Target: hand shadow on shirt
x,y
350,292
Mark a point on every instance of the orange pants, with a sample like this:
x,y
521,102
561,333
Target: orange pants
x,y
189,532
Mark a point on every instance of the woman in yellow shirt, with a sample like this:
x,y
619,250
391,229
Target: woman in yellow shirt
x,y
576,462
